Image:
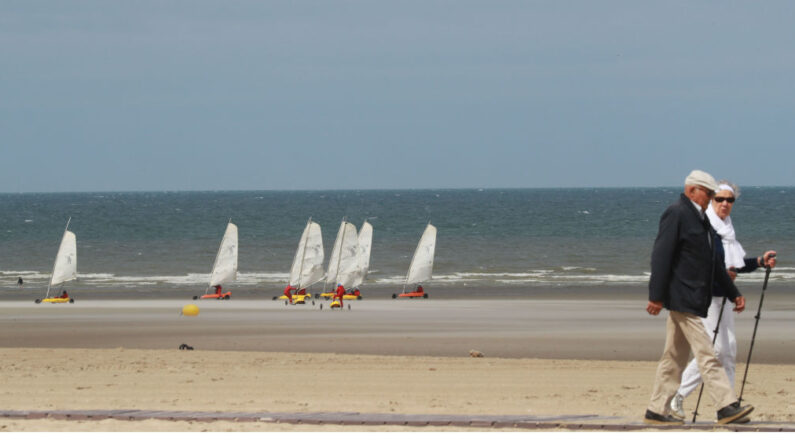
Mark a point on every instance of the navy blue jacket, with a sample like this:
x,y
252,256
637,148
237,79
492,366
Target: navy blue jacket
x,y
684,264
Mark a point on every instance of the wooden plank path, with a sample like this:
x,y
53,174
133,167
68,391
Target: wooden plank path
x,y
564,422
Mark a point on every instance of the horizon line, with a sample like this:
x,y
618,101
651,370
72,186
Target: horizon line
x,y
474,188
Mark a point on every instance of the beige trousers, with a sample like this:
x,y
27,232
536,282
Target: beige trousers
x,y
685,332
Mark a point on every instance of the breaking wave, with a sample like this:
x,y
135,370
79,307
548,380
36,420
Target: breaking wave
x,y
561,276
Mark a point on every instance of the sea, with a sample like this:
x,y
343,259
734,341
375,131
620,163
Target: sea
x,y
517,239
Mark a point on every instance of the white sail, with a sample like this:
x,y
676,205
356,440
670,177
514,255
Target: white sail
x,y
365,241
342,262
225,268
65,268
307,268
421,266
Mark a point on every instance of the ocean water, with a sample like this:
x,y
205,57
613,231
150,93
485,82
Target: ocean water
x,y
486,238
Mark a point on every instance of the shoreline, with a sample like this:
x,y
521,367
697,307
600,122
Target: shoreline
x,y
440,291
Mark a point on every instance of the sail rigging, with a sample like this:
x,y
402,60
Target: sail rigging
x,y
65,266
421,267
364,243
342,261
225,265
307,268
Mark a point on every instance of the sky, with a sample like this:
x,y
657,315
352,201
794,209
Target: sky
x,y
306,95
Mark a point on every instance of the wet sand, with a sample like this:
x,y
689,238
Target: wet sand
x,y
597,329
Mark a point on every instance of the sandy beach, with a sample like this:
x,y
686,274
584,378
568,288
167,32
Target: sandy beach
x,y
542,358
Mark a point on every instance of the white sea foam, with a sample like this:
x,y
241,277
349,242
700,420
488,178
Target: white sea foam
x,y
532,277
18,273
566,275
779,274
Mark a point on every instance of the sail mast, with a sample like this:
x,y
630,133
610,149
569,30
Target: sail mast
x,y
303,254
55,262
362,253
408,273
340,239
339,254
215,263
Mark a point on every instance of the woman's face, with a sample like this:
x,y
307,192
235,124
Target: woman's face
x,y
721,205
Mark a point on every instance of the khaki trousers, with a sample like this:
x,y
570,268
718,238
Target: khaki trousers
x,y
685,332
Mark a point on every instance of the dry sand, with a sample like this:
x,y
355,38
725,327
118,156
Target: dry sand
x,y
542,358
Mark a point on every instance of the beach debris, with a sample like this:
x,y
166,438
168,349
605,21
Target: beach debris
x,y
473,353
184,347
190,310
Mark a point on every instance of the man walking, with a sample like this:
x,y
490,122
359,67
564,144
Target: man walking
x,y
683,268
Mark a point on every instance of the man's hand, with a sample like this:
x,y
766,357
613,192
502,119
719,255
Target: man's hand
x,y
732,274
654,307
739,304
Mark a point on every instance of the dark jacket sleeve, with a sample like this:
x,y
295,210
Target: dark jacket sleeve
x,y
662,256
751,264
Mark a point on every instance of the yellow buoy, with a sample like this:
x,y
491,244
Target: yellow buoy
x,y
190,310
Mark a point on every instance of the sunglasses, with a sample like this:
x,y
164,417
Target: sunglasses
x,y
726,199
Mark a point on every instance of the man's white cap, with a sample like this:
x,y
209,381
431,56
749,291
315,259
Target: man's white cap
x,y
701,178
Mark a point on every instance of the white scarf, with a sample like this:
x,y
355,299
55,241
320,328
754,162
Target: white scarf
x,y
734,251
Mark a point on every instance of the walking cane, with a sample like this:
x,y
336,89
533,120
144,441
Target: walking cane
x,y
756,325
714,337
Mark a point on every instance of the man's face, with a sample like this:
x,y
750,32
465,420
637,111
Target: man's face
x,y
700,195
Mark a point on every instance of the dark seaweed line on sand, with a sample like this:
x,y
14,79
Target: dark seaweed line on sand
x,y
564,422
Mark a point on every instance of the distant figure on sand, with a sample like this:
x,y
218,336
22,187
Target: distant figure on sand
x,y
339,293
728,248
683,266
419,289
218,290
19,282
288,292
64,295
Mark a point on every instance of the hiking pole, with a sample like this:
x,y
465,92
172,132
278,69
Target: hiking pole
x,y
756,325
714,338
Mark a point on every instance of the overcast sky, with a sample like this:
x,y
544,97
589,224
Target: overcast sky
x,y
250,95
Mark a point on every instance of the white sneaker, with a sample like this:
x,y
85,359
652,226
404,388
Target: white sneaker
x,y
677,409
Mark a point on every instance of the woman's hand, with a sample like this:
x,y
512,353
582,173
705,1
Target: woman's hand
x,y
739,304
769,259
